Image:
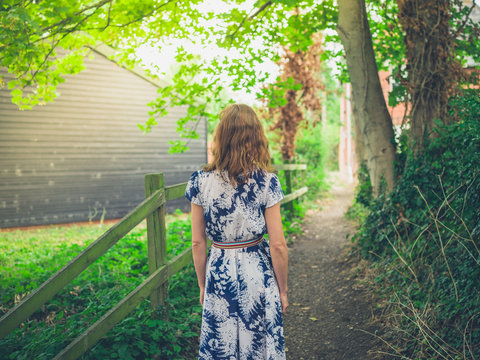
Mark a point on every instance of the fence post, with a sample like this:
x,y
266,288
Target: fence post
x,y
157,238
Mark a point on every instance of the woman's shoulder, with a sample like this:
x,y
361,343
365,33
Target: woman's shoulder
x,y
201,175
263,176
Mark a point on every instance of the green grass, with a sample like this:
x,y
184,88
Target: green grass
x,y
28,258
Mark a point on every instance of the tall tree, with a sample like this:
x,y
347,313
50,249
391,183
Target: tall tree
x,y
433,70
423,43
374,120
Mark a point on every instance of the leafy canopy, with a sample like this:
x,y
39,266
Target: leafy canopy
x,y
41,41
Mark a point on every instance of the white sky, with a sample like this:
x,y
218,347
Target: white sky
x,y
163,60
163,57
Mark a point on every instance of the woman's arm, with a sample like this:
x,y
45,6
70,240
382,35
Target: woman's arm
x,y
199,246
278,249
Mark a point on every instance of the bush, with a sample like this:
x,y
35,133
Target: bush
x,y
162,334
424,237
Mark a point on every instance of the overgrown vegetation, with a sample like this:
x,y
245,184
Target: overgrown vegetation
x,y
424,240
28,259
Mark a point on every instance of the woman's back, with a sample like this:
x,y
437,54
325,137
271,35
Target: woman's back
x,y
234,213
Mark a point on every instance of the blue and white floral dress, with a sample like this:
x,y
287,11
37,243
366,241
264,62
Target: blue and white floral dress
x,y
242,312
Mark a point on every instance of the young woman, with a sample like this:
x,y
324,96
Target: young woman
x,y
243,281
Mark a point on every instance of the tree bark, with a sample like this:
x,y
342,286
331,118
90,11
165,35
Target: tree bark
x,y
433,71
374,120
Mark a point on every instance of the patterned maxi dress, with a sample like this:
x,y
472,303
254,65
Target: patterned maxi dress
x,y
242,313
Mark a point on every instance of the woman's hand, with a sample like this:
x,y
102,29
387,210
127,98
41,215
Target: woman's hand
x,y
284,300
202,294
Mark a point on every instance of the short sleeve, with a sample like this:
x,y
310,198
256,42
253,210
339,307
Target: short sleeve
x,y
274,191
192,192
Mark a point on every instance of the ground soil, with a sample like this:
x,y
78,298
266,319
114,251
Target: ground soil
x,y
331,313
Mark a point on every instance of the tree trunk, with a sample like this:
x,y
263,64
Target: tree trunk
x,y
433,71
358,138
374,120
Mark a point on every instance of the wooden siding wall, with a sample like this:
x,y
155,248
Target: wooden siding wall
x,y
83,153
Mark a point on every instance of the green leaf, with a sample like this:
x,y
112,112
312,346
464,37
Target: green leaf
x,y
11,84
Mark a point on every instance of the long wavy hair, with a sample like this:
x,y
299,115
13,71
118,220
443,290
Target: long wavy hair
x,y
239,144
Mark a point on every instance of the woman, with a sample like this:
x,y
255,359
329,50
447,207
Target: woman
x,y
243,282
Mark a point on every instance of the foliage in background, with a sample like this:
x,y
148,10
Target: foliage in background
x,y
296,91
31,34
316,143
424,239
316,147
358,211
255,35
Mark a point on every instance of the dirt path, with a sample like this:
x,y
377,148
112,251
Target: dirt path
x,y
328,309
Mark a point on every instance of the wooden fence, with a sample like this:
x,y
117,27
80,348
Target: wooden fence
x,y
155,286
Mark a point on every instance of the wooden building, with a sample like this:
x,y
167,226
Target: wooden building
x,y
82,156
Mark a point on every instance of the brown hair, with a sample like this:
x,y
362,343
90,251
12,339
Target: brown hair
x,y
239,144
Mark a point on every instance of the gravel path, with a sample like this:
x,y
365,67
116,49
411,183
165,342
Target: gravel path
x,y
328,307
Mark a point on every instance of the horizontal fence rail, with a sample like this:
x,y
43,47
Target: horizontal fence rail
x,y
294,195
70,271
95,332
153,209
290,166
175,191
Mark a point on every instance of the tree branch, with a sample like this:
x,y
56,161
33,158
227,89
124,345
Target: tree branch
x,y
64,21
249,18
474,4
54,45
108,16
70,30
20,3
263,7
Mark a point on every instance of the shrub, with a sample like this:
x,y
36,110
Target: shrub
x,y
424,237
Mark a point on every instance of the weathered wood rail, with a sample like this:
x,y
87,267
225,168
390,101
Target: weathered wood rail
x,y
155,286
